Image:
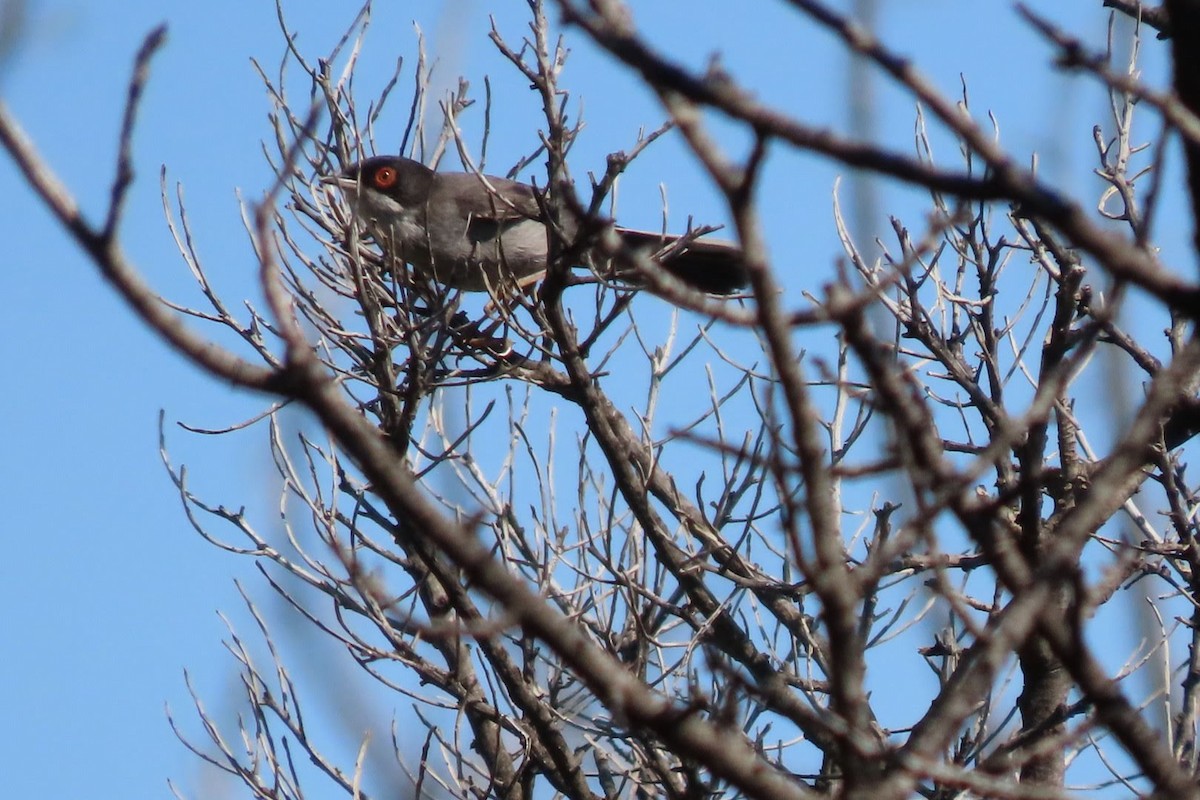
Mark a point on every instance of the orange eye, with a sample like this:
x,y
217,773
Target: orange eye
x,y
384,177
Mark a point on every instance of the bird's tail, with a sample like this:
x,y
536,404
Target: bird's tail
x,y
712,266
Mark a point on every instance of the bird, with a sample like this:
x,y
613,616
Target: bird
x,y
477,233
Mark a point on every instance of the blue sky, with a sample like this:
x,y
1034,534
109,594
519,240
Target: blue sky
x,y
108,594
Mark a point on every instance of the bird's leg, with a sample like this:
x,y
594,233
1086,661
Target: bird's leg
x,y
503,302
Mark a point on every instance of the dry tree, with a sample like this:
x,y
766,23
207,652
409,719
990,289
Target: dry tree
x,y
660,544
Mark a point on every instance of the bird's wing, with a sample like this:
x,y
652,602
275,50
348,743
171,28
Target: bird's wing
x,y
490,199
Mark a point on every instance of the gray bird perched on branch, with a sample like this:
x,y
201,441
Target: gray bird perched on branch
x,y
477,232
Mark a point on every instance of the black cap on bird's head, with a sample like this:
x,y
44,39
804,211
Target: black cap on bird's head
x,y
402,179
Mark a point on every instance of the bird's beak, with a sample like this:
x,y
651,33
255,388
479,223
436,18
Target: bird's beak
x,y
340,181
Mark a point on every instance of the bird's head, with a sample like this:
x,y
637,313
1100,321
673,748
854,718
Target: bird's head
x,y
380,186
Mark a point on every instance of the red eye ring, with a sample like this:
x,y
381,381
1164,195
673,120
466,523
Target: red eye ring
x,y
384,177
